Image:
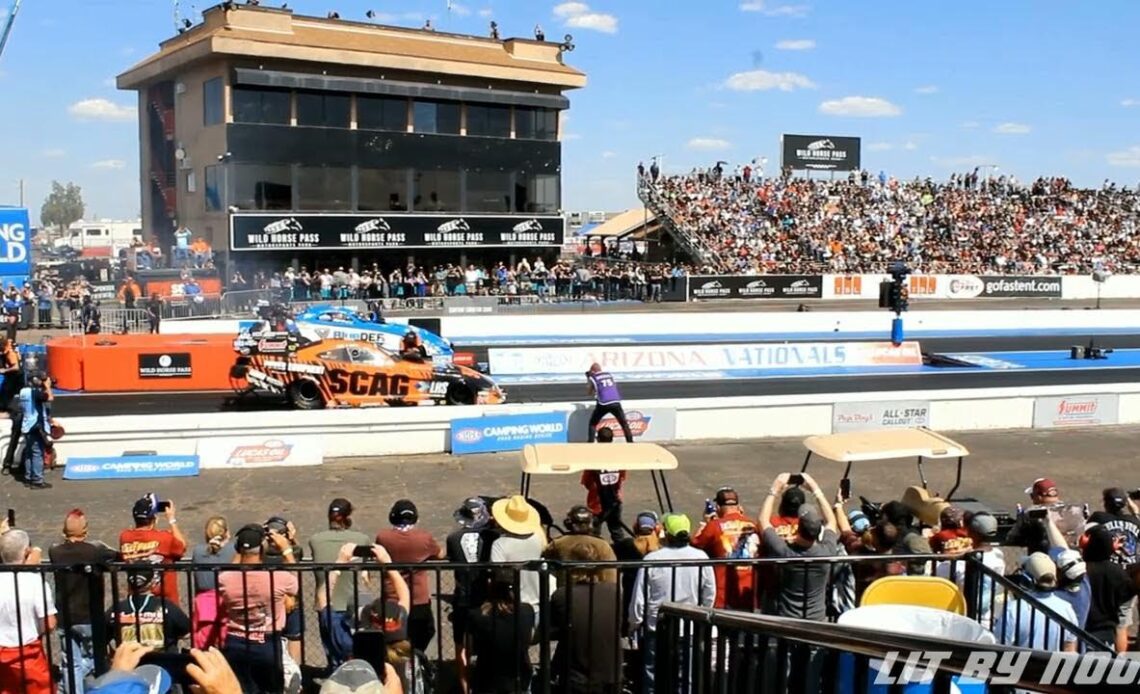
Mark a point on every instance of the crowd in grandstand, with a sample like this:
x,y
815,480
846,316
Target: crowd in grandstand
x,y
243,607
861,223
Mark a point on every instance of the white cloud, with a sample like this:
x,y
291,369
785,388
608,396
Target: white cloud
x,y
910,146
460,10
880,147
970,124
578,15
762,80
486,12
795,45
1125,157
608,154
1129,103
860,107
776,11
1012,129
111,164
101,109
708,144
926,89
968,161
53,153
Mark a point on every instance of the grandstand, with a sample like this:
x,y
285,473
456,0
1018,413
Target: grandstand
x,y
861,224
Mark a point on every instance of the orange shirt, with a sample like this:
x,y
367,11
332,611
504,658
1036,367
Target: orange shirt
x,y
154,547
594,480
720,538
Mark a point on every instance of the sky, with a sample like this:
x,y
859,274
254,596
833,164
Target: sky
x,y
1033,87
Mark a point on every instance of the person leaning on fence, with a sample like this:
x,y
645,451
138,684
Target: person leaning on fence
x,y
79,595
1022,624
27,614
585,620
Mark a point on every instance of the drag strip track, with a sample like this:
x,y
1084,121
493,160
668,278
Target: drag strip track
x,y
181,403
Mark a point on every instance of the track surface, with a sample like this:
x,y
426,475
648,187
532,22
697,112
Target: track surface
x,y
167,403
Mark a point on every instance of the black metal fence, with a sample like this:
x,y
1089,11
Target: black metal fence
x,y
537,626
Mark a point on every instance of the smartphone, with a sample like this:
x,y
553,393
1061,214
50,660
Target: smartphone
x,y
796,479
11,518
845,488
162,506
369,646
175,665
363,552
1038,513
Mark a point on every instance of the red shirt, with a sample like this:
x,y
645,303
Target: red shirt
x,y
597,481
951,541
720,538
411,546
154,547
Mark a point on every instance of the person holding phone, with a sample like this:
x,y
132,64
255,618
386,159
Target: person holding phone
x,y
35,401
607,397
145,542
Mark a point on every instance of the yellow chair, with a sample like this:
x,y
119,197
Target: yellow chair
x,y
924,591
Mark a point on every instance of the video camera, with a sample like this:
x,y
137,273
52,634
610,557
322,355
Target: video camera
x,y
898,271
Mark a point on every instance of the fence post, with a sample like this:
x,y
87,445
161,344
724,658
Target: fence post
x,y
99,636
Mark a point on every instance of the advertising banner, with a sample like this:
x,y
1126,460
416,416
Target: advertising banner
x,y
128,467
470,305
1076,411
173,365
755,287
646,424
1006,286
861,416
290,232
819,152
701,358
509,432
244,452
15,242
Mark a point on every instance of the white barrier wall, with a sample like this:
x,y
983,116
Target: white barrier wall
x,y
383,431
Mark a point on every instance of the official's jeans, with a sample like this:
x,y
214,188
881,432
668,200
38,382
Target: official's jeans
x,y
78,658
648,659
34,456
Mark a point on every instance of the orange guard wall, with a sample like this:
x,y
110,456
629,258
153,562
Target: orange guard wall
x,y
110,363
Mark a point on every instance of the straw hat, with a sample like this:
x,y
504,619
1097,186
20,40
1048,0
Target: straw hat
x,y
516,516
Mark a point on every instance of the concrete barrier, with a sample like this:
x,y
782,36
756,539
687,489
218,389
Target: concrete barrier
x,y
383,431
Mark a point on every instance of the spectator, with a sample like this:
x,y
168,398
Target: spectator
x,y
729,534
154,313
209,623
1025,626
35,428
27,614
77,592
408,544
390,615
522,540
10,389
1111,606
255,604
1072,582
335,608
145,617
181,252
146,543
579,526
470,544
1119,519
585,619
275,556
802,591
655,586
1030,534
498,636
604,493
952,536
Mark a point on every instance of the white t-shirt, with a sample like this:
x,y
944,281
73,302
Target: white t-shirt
x,y
36,603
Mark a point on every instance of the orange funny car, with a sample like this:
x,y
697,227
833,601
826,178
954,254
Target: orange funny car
x,y
348,373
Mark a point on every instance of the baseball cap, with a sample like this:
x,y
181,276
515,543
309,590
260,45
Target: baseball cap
x,y
1041,487
144,679
1070,564
387,616
646,520
249,538
354,677
277,524
983,524
811,524
143,508
1115,498
726,496
676,524
403,512
140,575
859,521
951,518
472,514
1039,567
340,507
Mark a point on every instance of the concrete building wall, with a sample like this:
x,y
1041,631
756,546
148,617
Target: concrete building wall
x,y
202,145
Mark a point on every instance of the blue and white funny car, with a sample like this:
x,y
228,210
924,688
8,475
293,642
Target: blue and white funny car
x,y
336,322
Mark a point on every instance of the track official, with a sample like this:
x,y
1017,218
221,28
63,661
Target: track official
x,y
608,401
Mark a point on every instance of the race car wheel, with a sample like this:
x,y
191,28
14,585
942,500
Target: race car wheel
x,y
460,394
306,395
